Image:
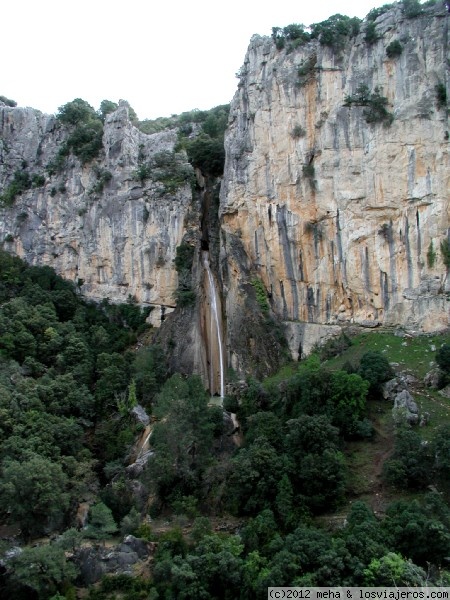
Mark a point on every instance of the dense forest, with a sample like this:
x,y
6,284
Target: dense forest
x,y
219,516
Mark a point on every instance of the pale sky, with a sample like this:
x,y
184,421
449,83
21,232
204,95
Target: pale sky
x,y
164,56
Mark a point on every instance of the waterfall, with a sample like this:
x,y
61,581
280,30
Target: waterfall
x,y
215,330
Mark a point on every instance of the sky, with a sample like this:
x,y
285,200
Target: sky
x,y
164,57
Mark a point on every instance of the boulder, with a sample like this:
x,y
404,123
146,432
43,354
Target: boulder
x,y
445,391
392,387
405,408
139,413
140,547
431,379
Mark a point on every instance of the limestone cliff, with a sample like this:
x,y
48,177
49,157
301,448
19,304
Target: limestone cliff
x,y
325,219
341,219
115,236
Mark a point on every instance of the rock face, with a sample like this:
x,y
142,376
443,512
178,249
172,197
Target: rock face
x,y
325,219
340,218
114,242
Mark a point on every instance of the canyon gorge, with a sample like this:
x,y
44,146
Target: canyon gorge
x,y
326,215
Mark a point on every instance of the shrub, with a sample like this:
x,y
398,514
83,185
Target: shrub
x,y
8,101
103,177
443,357
19,184
170,169
261,295
377,12
371,35
307,69
441,95
394,49
411,8
207,154
85,140
334,347
308,170
106,107
184,258
376,111
335,31
294,33
37,180
431,256
57,163
445,251
142,173
298,131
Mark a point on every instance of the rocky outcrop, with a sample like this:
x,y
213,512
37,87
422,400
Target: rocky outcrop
x,y
405,409
341,219
94,562
114,236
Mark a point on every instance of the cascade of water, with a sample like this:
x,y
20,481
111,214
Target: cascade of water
x,y
215,328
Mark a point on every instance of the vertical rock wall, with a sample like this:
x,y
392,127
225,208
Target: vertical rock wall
x,y
336,216
114,242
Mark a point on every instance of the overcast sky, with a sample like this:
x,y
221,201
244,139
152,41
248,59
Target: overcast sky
x,y
164,56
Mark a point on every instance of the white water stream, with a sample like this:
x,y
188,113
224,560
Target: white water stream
x,y
215,328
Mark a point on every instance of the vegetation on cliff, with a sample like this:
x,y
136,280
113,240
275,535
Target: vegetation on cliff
x,y
338,29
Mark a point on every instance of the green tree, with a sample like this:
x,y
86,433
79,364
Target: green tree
x,y
318,467
106,107
113,377
348,398
212,570
35,492
75,112
411,463
8,101
375,369
443,361
259,531
418,532
442,451
267,425
411,8
182,438
130,523
44,569
335,30
370,32
150,372
364,538
254,478
393,570
101,522
284,501
207,154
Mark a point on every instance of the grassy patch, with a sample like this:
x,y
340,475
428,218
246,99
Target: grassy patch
x,y
284,373
413,353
